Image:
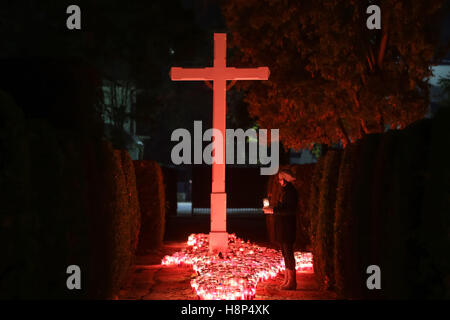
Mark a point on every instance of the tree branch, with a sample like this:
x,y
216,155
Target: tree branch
x,y
363,127
370,63
382,50
341,126
231,84
208,84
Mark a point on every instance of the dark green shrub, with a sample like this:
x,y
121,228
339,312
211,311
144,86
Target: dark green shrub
x,y
125,219
14,160
115,219
52,214
152,201
361,204
352,221
98,160
380,193
17,222
313,205
381,206
401,252
434,234
345,240
133,199
304,175
67,196
323,245
170,181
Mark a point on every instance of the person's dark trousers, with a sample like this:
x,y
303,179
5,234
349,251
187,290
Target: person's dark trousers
x,y
287,249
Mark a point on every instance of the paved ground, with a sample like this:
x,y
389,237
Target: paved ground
x,y
149,280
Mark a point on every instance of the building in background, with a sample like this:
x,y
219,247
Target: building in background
x,y
437,93
118,112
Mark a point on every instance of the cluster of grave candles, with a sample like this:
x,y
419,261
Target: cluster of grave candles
x,y
234,274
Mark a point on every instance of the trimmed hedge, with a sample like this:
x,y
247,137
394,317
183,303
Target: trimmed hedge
x,y
114,218
66,200
132,197
170,181
402,254
434,233
48,203
345,255
152,201
381,207
313,206
324,234
17,222
304,179
391,210
351,226
362,203
124,219
384,201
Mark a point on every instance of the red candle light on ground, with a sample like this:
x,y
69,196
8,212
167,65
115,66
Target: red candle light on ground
x,y
235,274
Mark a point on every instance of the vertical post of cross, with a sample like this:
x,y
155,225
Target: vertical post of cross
x,y
218,236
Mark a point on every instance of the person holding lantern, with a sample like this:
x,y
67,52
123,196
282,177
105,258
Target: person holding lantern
x,y
285,225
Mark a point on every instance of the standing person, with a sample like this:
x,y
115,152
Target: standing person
x,y
285,225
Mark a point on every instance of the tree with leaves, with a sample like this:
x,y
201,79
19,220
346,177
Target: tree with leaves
x,y
332,79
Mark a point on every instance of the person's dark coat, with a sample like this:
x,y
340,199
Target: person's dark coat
x,y
285,215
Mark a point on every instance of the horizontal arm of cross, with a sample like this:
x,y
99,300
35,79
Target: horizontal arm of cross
x,y
261,73
201,74
191,74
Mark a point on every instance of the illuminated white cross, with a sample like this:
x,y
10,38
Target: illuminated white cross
x,y
219,74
